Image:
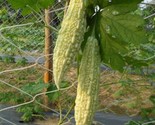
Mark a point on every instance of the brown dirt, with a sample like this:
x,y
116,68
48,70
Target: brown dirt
x,y
119,93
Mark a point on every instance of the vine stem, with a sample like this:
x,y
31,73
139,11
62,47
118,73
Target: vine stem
x,y
60,111
66,116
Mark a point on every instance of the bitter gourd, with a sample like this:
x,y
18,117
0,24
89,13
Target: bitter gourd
x,y
88,83
69,39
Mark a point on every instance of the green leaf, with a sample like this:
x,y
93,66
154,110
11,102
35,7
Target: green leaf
x,y
89,3
29,6
16,4
55,95
46,4
37,108
152,99
34,88
116,30
111,50
127,27
64,84
135,62
131,3
27,116
117,62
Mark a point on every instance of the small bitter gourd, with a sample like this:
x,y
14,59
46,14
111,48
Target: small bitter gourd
x,y
88,83
69,39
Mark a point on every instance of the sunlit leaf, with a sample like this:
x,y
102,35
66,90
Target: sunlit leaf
x,y
127,27
117,29
111,50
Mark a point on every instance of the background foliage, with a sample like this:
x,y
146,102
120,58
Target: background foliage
x,y
125,39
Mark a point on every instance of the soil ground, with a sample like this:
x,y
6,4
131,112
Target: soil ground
x,y
121,94
52,119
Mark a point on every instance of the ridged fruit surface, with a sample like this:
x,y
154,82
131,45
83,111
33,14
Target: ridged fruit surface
x,y
88,83
69,39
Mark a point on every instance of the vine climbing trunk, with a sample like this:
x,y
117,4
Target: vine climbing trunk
x,y
48,77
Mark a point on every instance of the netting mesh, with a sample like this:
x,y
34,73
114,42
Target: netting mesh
x,y
22,41
26,33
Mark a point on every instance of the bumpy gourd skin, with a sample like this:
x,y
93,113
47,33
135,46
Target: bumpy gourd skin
x,y
69,39
88,83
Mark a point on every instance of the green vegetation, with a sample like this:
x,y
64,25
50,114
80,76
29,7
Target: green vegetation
x,y
126,40
147,115
32,109
24,38
121,94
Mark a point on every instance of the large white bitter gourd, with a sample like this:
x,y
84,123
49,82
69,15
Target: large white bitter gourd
x,y
88,83
69,39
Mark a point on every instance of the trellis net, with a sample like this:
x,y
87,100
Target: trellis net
x,y
22,41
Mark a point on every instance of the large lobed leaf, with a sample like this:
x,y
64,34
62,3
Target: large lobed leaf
x,y
131,3
117,28
28,6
